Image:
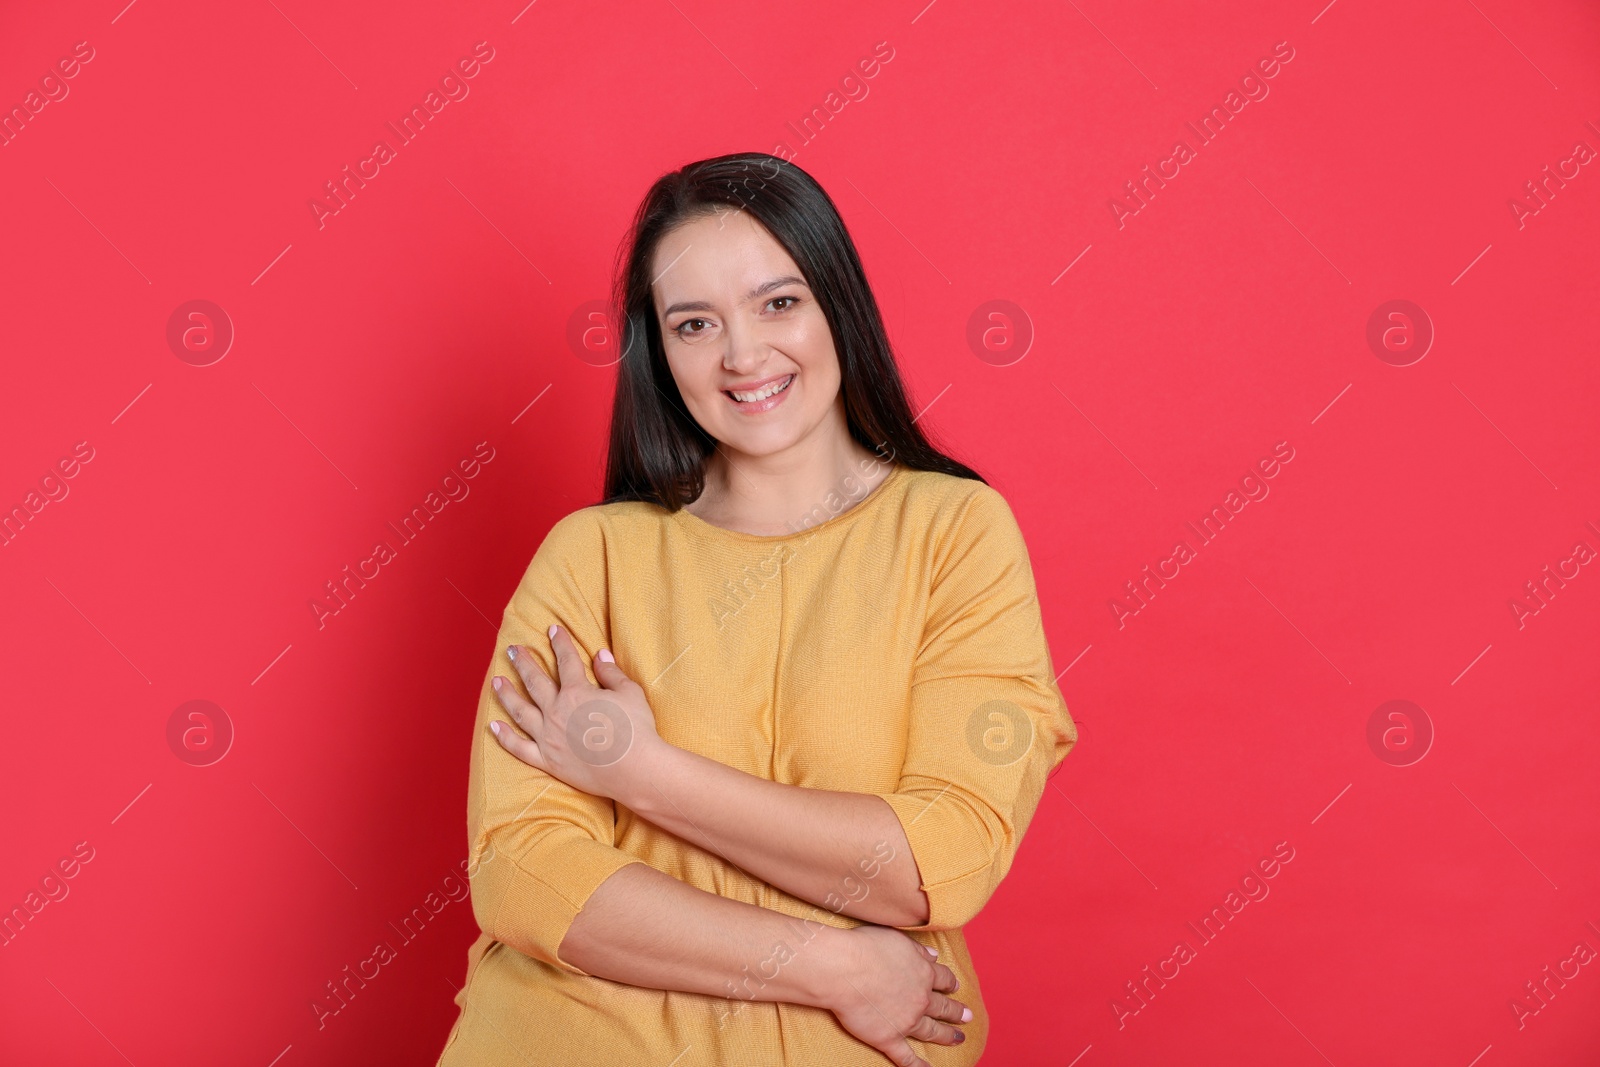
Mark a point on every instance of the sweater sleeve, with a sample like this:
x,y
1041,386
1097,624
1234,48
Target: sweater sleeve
x,y
987,723
537,848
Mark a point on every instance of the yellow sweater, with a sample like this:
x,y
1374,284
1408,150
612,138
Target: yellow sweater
x,y
892,647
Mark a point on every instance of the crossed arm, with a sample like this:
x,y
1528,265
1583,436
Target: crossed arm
x,y
925,857
590,908
820,845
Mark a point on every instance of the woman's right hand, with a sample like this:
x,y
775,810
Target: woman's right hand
x,y
889,988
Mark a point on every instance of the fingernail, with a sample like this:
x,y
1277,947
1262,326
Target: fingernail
x,y
552,630
933,950
496,683
960,1037
495,726
966,1015
511,651
605,654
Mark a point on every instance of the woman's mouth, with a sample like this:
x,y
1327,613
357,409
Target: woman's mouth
x,y
765,398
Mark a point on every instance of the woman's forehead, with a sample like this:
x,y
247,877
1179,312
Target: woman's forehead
x,y
722,260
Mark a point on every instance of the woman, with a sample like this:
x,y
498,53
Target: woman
x,y
786,706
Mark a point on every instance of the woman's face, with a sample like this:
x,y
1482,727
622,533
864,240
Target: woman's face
x,y
737,317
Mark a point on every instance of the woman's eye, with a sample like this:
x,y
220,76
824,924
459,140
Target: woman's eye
x,y
792,301
679,329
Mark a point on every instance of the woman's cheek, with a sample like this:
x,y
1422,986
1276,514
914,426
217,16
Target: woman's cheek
x,y
811,341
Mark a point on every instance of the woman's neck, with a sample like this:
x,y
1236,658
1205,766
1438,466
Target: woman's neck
x,y
773,495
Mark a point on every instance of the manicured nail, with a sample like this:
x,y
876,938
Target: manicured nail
x,y
960,1037
495,726
933,950
605,654
966,1015
511,651
552,631
496,683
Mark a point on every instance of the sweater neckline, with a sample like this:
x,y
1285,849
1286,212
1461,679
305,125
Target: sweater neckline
x,y
688,519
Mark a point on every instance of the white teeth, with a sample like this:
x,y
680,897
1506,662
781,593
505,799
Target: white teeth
x,y
761,394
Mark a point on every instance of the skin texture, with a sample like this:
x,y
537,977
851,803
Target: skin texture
x,y
729,319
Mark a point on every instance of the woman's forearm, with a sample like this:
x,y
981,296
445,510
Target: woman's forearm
x,y
645,928
842,851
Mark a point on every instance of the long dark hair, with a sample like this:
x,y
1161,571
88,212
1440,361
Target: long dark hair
x,y
658,451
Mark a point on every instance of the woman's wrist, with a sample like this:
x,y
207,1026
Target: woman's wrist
x,y
823,963
651,770
654,778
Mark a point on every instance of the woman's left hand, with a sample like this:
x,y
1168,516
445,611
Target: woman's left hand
x,y
594,738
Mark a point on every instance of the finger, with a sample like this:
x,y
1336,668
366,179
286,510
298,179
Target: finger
x,y
944,979
610,675
903,1055
519,746
531,671
947,1009
568,663
935,1032
524,714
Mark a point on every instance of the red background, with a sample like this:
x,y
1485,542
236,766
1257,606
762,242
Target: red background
x,y
1229,314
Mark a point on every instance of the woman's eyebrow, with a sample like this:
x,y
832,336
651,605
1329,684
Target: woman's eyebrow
x,y
760,290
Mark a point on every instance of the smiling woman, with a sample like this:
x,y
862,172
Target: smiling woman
x,y
754,837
